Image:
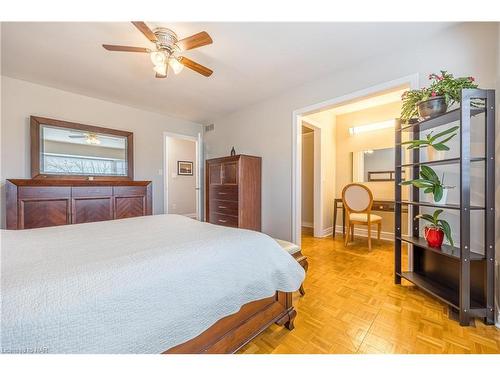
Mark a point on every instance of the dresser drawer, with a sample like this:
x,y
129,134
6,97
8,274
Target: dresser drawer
x,y
129,191
226,220
382,206
45,192
224,207
91,191
223,192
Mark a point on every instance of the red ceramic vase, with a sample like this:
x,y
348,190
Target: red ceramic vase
x,y
434,236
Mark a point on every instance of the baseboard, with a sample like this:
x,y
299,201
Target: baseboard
x,y
192,216
307,224
388,236
327,232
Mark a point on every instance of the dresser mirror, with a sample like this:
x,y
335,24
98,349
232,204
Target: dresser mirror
x,y
61,149
373,165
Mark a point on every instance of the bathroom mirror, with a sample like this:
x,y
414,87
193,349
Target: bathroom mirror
x,y
61,149
373,165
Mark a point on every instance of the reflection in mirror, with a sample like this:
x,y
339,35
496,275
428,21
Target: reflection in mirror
x,y
373,165
66,151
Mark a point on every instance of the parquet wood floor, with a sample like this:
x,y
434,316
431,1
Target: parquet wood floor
x,y
352,306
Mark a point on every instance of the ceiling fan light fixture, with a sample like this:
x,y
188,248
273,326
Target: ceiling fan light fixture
x,y
158,58
92,139
175,65
161,69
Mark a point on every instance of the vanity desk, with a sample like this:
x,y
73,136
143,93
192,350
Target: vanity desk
x,y
378,205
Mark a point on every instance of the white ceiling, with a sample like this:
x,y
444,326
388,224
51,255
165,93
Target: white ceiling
x,y
251,61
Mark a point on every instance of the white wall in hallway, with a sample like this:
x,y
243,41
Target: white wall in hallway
x,y
181,189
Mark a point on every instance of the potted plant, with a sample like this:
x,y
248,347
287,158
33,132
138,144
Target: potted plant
x,y
431,183
434,143
434,100
437,230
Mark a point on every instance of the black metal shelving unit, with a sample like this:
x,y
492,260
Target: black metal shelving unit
x,y
458,276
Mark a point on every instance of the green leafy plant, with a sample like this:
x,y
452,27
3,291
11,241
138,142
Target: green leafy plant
x,y
436,141
437,223
441,85
430,182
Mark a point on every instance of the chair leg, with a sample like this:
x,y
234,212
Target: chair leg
x,y
379,228
352,232
369,236
346,238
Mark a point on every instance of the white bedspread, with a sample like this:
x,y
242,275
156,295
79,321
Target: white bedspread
x,y
140,285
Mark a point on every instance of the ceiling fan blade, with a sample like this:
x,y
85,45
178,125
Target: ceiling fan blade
x,y
77,136
143,28
195,66
111,47
194,41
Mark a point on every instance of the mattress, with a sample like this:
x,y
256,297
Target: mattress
x,y
138,285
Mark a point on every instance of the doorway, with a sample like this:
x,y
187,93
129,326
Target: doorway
x,y
182,175
299,116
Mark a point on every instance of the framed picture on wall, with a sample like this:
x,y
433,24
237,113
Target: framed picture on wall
x,y
185,168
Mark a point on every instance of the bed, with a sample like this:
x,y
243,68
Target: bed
x,y
151,284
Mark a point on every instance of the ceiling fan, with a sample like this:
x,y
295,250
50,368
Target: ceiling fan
x,y
168,47
90,138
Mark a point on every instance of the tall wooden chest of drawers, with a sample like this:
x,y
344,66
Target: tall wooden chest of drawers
x,y
233,191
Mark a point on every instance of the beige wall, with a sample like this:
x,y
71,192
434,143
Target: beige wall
x,y
20,99
308,179
346,144
181,189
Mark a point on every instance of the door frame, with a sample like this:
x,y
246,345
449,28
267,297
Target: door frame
x,y
317,178
198,141
412,80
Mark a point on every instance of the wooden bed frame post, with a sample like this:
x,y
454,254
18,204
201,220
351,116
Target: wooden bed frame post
x,y
231,333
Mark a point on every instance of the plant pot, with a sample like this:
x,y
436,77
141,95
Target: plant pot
x,y
443,198
432,107
433,154
434,236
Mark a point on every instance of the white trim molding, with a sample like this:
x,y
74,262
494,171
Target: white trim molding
x,y
362,232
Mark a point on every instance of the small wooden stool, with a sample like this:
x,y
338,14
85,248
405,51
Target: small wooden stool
x,y
295,251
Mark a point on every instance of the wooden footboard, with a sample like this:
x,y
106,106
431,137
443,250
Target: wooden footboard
x,y
232,332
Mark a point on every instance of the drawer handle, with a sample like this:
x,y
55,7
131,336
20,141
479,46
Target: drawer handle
x,y
381,207
222,207
222,221
222,193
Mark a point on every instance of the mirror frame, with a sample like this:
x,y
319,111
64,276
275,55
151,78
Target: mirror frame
x,y
36,122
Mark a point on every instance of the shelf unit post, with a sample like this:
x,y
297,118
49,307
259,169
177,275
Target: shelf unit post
x,y
489,212
415,192
397,205
464,279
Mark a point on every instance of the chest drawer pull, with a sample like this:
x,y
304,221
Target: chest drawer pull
x,y
222,221
222,207
221,193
